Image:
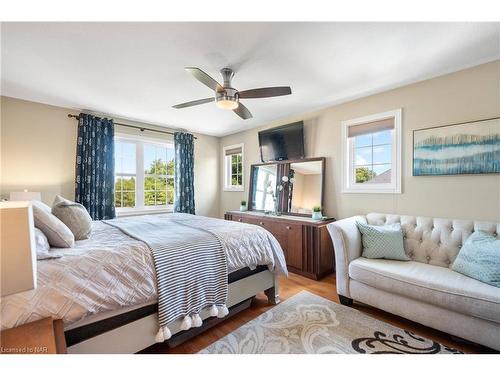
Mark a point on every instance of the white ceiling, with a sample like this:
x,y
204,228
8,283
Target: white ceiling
x,y
135,70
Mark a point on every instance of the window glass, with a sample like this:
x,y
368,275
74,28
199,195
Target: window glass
x,y
156,177
364,174
233,168
373,157
364,140
382,138
382,154
363,155
125,176
158,166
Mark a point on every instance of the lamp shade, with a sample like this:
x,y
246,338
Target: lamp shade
x,y
25,195
17,248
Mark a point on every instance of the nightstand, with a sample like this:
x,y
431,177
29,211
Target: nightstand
x,y
45,336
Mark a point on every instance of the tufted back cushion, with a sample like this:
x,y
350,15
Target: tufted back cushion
x,y
434,241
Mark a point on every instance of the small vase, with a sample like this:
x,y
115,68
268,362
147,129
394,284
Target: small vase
x,y
317,215
243,208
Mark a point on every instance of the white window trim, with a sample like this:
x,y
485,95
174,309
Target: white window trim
x,y
139,208
227,171
348,183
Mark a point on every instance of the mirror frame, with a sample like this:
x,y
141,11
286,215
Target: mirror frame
x,y
253,166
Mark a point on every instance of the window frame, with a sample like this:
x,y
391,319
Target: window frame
x,y
140,208
349,184
227,168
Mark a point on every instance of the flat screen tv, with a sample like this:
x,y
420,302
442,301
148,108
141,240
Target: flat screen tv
x,y
282,143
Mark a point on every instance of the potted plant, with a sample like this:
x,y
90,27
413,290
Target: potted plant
x,y
317,215
243,206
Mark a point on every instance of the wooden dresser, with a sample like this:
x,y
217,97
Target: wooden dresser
x,y
306,243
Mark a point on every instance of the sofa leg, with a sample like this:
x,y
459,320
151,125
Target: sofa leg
x,y
345,300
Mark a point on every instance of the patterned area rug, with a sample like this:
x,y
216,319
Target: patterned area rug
x,y
307,323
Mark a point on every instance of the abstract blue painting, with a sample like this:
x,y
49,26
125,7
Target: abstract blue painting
x,y
466,148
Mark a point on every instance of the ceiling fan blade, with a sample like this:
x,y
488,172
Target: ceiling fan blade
x,y
204,78
265,92
194,102
243,112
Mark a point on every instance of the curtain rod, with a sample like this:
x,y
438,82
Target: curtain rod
x,y
141,128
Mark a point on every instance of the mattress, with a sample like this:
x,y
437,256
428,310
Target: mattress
x,y
111,271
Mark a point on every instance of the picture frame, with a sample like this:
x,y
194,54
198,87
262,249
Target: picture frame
x,y
465,148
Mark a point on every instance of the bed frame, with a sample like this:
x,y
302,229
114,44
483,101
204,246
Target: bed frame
x,y
136,330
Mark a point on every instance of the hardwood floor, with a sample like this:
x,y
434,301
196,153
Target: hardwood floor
x,y
325,288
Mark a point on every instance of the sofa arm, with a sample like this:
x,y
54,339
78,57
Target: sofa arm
x,y
347,246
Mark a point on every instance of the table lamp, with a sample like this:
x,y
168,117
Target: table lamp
x,y
25,195
17,248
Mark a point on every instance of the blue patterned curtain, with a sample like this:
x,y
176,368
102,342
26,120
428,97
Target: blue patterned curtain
x,y
184,173
95,153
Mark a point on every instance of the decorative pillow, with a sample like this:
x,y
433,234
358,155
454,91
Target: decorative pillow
x,y
42,246
479,258
56,231
41,205
74,215
382,241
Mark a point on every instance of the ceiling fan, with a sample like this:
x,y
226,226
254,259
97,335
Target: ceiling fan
x,y
227,97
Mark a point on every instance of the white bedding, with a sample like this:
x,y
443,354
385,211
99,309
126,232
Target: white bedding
x,y
111,270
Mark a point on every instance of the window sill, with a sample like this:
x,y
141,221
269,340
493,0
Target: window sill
x,y
234,189
145,211
371,191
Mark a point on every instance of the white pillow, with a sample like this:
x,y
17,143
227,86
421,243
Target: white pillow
x,y
41,205
58,234
42,246
74,215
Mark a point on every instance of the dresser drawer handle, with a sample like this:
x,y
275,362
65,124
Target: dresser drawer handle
x,y
288,227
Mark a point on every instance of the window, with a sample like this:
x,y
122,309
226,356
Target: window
x,y
233,168
158,175
372,154
125,174
144,174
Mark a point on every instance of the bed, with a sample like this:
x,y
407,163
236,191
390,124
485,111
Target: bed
x,y
105,288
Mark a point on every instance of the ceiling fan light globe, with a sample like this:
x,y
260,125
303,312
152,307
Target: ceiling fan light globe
x,y
227,104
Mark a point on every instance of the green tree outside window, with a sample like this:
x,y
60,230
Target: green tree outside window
x,y
158,186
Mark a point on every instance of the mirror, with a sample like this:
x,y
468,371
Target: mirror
x,y
291,187
306,188
264,185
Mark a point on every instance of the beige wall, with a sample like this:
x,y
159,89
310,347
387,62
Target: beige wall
x,y
38,150
38,145
466,95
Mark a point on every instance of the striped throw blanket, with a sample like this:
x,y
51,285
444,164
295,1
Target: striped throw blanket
x,y
191,269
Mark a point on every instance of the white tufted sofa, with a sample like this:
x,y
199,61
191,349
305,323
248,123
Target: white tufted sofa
x,y
425,289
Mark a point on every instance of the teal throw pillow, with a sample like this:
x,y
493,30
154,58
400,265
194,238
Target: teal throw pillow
x,y
479,258
382,241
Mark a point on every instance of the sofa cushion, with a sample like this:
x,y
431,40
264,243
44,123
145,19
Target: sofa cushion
x,y
479,258
382,241
432,284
